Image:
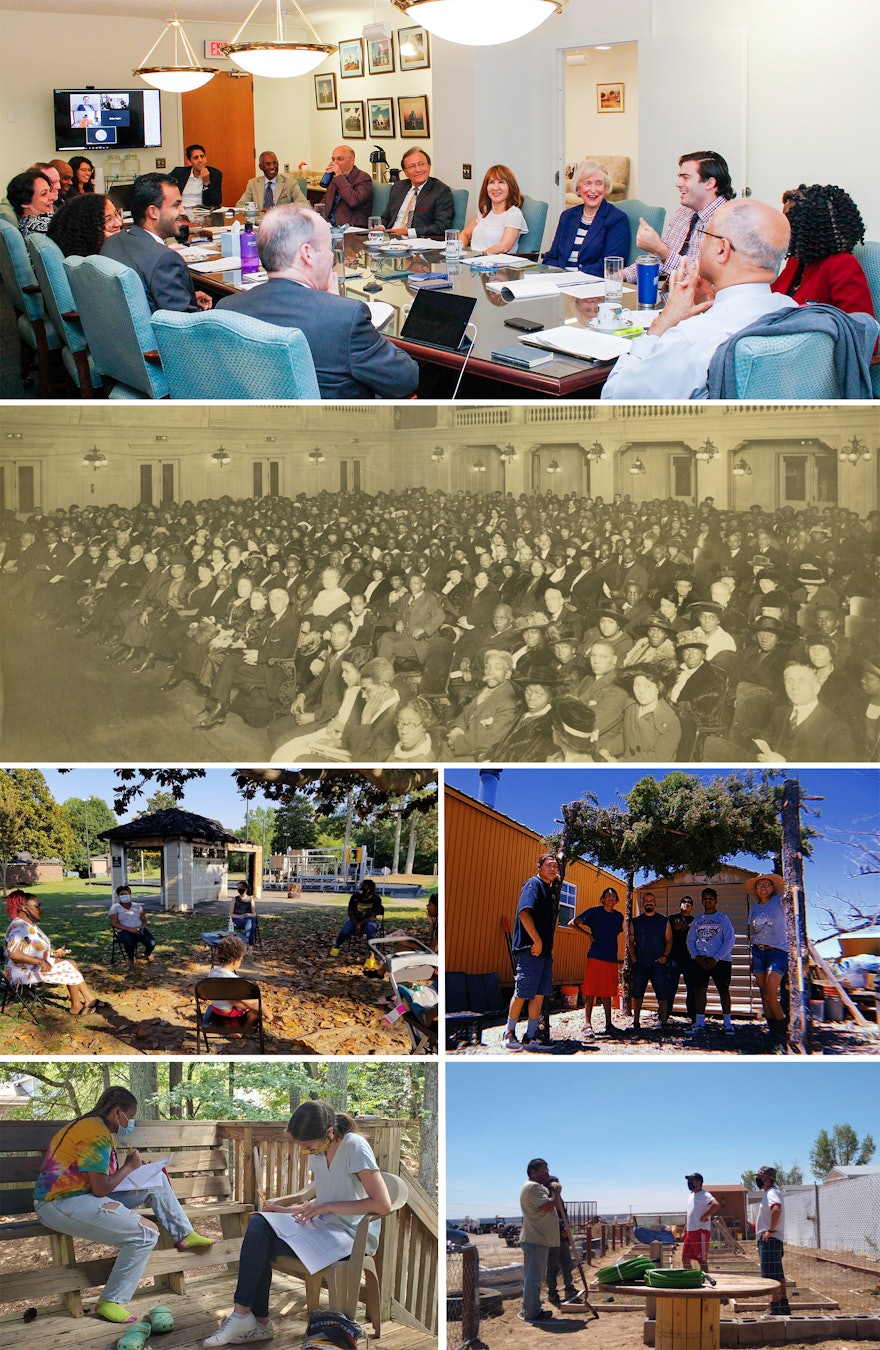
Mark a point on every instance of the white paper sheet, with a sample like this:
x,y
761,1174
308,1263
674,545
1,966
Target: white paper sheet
x,y
143,1178
499,260
583,342
316,1243
380,312
217,265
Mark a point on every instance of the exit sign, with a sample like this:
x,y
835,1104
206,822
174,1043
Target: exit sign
x,y
214,52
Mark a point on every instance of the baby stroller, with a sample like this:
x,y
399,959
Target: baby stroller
x,y
413,971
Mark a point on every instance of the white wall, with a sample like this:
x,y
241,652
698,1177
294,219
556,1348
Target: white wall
x,y
588,132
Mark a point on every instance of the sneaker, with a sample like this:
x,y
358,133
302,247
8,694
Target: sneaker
x,y
239,1331
194,1242
334,951
729,1031
695,1030
532,1043
545,1315
510,1042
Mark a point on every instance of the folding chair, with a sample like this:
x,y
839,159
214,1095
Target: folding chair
x,y
224,991
117,945
26,996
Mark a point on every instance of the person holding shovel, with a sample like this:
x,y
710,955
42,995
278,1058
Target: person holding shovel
x,y
541,1208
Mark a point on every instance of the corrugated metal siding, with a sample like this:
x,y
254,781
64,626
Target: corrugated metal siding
x,y
487,859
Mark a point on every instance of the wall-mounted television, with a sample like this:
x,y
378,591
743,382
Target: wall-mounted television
x,y
107,119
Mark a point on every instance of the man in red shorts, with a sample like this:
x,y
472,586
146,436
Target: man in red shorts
x,y
701,1207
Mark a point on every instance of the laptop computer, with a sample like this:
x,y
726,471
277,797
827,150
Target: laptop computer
x,y
438,319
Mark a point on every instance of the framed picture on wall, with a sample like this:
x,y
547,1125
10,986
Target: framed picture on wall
x,y
609,98
380,56
352,117
380,118
325,91
413,49
412,115
351,58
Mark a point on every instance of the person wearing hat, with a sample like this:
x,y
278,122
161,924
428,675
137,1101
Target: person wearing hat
x,y
680,963
769,946
698,691
763,658
770,1233
604,697
651,730
869,682
608,628
707,614
698,1224
532,949
573,727
568,669
603,924
655,645
813,589
541,1206
529,738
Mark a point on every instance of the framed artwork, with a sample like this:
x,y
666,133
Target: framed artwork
x,y
380,56
412,115
413,48
352,118
609,98
380,118
325,91
351,58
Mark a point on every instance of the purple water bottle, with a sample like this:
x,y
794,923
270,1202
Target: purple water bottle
x,y
250,258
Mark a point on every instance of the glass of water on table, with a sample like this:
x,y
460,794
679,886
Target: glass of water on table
x,y
613,274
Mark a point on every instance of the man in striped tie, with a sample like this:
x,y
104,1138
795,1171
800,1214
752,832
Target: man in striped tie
x,y
418,205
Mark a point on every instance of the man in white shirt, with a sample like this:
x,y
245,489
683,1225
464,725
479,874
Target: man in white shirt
x,y
770,1231
698,1224
199,182
739,257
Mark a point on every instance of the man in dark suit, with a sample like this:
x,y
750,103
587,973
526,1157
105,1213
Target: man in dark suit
x,y
157,213
418,205
804,729
349,194
199,182
352,360
698,691
258,674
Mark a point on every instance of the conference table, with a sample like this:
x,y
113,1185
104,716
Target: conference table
x,y
562,377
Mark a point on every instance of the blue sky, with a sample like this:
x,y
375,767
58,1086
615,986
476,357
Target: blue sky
x,y
625,1135
851,802
214,796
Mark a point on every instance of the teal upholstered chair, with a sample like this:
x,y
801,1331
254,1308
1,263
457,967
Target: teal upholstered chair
x,y
868,254
460,197
792,367
112,306
228,356
36,332
381,193
535,213
48,265
633,209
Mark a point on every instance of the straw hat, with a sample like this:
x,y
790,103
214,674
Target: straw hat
x,y
778,884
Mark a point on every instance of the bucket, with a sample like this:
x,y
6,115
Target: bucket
x,y
570,995
817,1009
834,1008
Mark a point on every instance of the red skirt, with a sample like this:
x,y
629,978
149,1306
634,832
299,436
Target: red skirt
x,y
600,979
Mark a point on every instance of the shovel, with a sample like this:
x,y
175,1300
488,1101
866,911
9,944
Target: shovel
x,y
581,1301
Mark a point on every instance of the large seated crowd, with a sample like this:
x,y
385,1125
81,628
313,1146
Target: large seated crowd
x,y
424,627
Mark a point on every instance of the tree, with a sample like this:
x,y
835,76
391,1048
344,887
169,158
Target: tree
x,y
144,1078
87,818
791,1176
31,820
295,825
160,800
840,1148
260,828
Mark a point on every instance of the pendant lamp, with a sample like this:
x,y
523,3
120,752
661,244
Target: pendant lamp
x,y
175,79
479,23
279,60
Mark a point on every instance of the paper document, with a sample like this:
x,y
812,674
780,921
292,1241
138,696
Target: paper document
x,y
316,1243
547,283
583,342
195,253
216,264
426,245
499,260
145,1177
380,312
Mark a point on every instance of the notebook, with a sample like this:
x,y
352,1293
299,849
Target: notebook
x,y
438,319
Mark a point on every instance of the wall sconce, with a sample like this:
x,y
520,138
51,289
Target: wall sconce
x,y
316,457
853,451
478,466
554,466
161,438
707,452
271,439
13,435
438,454
221,457
637,467
508,455
742,469
596,452
95,459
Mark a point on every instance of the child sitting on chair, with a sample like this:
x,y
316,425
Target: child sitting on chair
x,y
365,909
228,956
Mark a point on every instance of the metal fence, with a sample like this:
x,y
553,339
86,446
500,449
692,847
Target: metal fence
x,y
840,1216
462,1297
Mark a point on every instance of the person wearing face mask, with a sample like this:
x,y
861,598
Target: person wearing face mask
x,y
29,956
770,1231
347,1184
76,1193
698,1225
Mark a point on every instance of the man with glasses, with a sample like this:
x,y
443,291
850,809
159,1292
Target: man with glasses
x,y
703,185
418,205
727,291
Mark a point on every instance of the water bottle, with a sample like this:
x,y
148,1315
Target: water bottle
x,y
230,927
250,259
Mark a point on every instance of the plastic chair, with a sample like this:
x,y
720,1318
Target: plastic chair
x,y
48,264
344,1278
793,367
535,213
225,991
868,254
36,332
115,316
634,210
230,356
460,197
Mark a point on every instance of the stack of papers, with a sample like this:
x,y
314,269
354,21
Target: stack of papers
x,y
585,343
499,260
547,283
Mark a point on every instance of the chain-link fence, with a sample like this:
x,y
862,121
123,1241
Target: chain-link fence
x,y
462,1297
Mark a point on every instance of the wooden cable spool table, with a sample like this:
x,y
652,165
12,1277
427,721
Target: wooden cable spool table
x,y
690,1319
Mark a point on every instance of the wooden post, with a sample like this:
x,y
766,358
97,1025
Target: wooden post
x,y
800,1017
626,1001
63,1254
556,895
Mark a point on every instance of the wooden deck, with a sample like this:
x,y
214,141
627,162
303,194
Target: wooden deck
x,y
197,1314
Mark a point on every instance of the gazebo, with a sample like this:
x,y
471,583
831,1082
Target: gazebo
x,y
193,852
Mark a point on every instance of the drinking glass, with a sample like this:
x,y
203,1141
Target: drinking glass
x,y
614,279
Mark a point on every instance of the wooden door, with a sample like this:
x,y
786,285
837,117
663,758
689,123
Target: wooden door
x,y
220,116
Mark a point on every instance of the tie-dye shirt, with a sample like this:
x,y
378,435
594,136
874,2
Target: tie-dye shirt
x,y
84,1146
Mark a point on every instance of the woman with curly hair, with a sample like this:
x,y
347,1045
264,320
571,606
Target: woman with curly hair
x,y
83,176
30,196
86,221
825,226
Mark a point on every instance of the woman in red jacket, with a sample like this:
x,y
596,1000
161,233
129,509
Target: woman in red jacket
x,y
825,226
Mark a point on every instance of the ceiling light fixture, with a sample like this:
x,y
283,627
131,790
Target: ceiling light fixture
x,y
221,457
316,456
479,23
175,79
278,60
95,459
438,454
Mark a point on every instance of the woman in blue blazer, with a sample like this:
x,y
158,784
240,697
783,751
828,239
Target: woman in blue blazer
x,y
606,229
